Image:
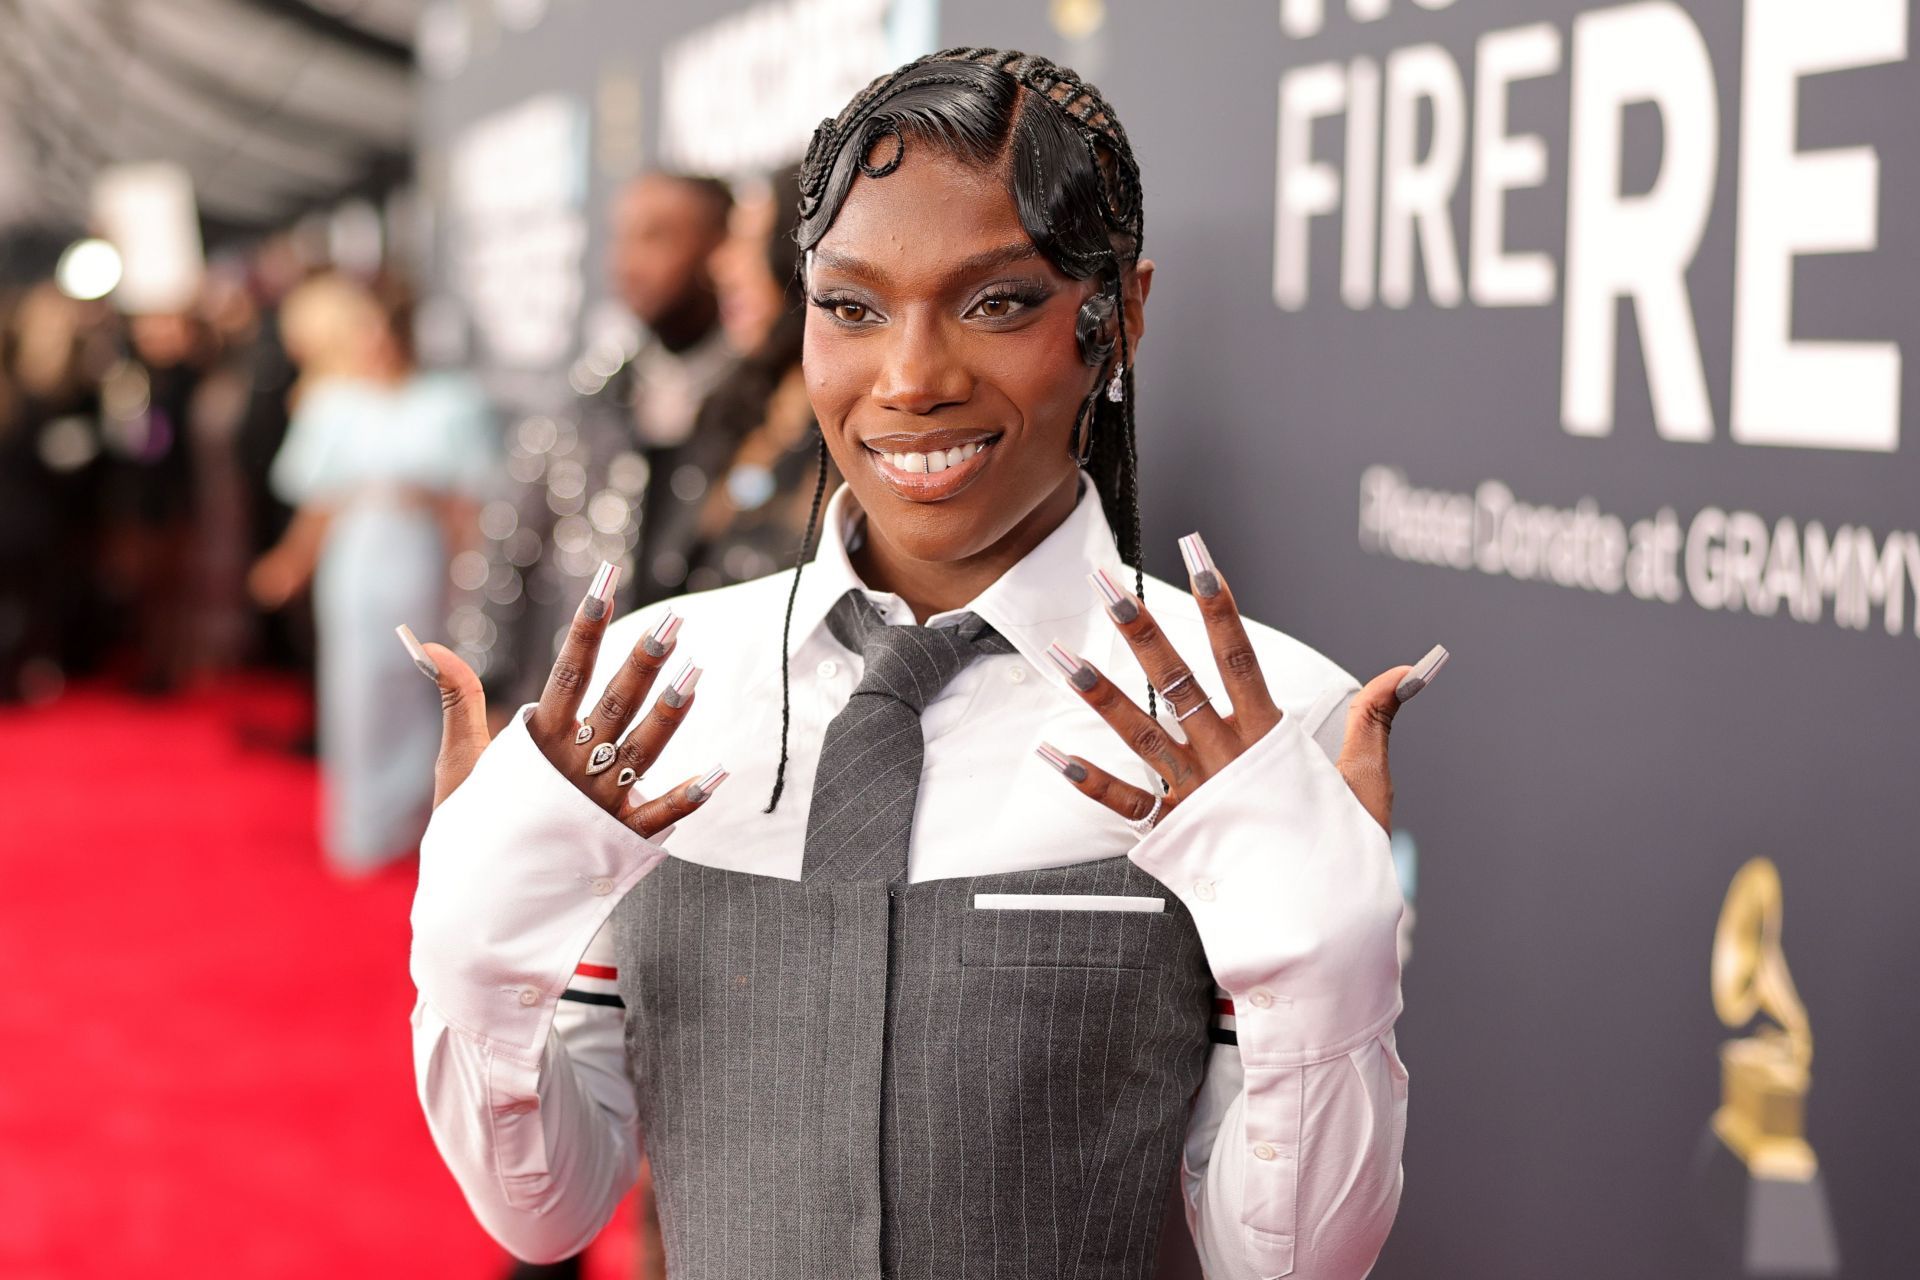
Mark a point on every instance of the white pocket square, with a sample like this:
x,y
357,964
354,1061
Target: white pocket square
x,y
1065,902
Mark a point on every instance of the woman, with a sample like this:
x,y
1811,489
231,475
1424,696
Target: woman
x,y
750,520
383,465
900,1003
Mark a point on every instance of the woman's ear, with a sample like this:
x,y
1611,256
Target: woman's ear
x,y
1135,287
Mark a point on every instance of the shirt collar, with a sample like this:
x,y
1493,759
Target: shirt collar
x,y
1043,598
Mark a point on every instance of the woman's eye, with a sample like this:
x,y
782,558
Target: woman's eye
x,y
850,312
1000,307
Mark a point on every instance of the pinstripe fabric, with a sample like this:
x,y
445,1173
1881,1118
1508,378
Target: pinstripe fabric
x,y
869,776
842,1080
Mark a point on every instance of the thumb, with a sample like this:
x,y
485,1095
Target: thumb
x,y
1363,754
463,710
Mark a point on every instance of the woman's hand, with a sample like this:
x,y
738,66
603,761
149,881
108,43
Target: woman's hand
x,y
591,752
1214,740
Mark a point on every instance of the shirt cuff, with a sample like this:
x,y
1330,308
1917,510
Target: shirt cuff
x,y
1291,885
518,870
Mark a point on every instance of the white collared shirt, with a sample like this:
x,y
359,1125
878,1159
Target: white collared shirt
x,y
1292,1159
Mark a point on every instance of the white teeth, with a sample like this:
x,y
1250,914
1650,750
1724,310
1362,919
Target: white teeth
x,y
927,463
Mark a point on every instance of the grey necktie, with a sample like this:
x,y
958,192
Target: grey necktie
x,y
869,778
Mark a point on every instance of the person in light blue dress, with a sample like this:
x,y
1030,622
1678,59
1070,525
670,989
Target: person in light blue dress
x,y
386,466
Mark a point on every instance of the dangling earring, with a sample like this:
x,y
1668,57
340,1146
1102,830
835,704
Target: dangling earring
x,y
1116,389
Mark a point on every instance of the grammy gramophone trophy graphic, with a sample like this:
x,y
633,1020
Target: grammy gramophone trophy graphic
x,y
1761,1198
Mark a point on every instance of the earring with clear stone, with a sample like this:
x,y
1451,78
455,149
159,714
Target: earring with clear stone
x,y
1116,389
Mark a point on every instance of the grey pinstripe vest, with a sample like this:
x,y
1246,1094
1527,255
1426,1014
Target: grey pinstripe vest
x,y
856,1080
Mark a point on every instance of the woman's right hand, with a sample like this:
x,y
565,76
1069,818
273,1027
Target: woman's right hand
x,y
566,740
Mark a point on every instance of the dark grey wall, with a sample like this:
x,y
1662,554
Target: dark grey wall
x,y
1593,767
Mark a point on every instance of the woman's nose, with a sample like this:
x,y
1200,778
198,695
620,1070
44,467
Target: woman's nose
x,y
920,372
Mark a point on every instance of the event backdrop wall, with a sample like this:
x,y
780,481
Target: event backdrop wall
x,y
1570,335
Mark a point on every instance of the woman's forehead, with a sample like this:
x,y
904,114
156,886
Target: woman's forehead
x,y
932,216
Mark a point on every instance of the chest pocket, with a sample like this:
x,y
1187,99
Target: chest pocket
x,y
1001,938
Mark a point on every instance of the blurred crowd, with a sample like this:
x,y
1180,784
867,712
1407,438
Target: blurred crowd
x,y
268,477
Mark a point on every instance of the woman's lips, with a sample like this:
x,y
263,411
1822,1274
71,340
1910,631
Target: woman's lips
x,y
931,475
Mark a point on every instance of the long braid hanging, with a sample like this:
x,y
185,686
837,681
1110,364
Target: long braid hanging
x,y
1122,210
786,627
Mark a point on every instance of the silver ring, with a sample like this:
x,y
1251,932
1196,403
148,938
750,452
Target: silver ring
x,y
1204,702
583,735
1144,825
1177,687
602,759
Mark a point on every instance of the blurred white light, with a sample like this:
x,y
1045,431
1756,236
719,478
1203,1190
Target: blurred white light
x,y
469,570
67,444
628,472
572,535
89,269
498,520
608,511
567,479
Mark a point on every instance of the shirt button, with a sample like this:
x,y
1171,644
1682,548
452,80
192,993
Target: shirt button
x,y
829,669
1261,998
529,996
1017,674
1262,1151
602,886
1203,890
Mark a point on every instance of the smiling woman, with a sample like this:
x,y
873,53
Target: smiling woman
x,y
947,1019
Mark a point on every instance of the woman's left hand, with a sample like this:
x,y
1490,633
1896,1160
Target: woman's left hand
x,y
1215,740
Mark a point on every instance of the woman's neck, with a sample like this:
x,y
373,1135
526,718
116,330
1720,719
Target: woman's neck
x,y
936,587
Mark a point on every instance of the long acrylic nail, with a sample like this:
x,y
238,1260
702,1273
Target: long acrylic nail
x,y
428,667
680,688
1422,674
662,634
1119,601
707,785
1078,674
1201,571
600,594
1069,768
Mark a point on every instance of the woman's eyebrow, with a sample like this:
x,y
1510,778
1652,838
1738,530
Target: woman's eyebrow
x,y
973,264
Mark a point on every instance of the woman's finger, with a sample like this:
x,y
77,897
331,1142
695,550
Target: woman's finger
x,y
628,687
567,682
1090,780
651,817
1254,710
1363,756
650,736
463,710
1166,670
1143,735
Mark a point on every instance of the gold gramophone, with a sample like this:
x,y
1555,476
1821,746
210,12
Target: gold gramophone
x,y
1764,1076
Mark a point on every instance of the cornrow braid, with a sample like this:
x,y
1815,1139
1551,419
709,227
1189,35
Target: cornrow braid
x,y
1076,187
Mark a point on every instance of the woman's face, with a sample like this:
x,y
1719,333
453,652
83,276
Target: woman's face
x,y
942,363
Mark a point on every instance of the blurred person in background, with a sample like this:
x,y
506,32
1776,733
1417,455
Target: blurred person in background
x,y
53,352
757,427
666,227
148,503
384,466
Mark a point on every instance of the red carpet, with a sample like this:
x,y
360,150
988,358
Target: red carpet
x,y
206,1065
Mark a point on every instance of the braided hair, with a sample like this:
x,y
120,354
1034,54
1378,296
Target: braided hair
x,y
1076,188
